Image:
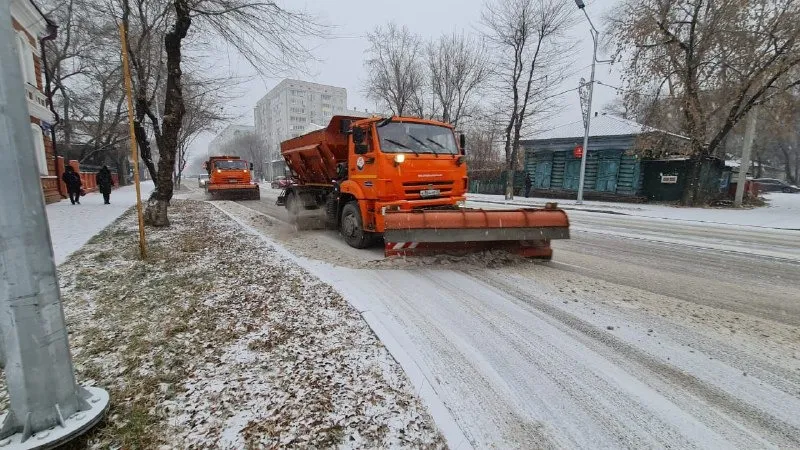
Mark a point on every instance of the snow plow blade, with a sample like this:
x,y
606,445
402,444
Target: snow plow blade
x,y
526,232
235,192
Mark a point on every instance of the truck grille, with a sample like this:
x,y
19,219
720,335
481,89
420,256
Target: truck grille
x,y
412,189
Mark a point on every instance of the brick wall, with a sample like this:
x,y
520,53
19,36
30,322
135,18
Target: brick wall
x,y
50,183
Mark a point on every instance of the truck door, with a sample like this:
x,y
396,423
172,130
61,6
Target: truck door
x,y
363,167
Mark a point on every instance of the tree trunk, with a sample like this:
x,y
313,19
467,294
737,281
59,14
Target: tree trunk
x,y
694,193
758,163
509,184
156,213
691,191
145,151
174,109
122,169
787,166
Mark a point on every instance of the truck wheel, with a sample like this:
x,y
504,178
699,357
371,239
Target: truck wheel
x,y
352,227
331,212
293,207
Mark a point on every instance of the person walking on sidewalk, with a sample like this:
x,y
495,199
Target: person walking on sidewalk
x,y
73,182
104,183
527,185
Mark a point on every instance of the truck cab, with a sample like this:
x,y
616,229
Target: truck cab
x,y
400,164
230,175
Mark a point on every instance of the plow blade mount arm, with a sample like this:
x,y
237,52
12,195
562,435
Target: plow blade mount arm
x,y
428,232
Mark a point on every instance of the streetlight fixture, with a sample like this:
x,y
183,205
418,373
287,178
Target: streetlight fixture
x,y
595,37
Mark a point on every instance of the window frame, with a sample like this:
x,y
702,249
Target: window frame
x,y
26,53
39,149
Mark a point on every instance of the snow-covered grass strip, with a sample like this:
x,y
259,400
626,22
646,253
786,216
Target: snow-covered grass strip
x,y
217,340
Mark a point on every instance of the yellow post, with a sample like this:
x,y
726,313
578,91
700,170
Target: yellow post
x,y
126,73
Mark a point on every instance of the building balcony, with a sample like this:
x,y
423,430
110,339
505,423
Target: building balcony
x,y
37,104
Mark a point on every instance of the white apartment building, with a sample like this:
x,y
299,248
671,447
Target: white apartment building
x,y
292,106
226,136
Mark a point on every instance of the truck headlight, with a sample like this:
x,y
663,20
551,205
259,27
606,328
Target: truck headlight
x,y
399,158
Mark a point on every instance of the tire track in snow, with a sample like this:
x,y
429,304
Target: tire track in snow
x,y
636,361
458,367
580,386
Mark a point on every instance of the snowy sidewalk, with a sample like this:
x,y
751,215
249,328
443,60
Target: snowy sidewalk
x,y
782,212
71,226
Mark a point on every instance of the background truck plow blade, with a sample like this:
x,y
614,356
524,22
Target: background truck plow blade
x,y
524,231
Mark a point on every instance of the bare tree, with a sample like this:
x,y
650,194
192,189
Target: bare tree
x,y
717,59
779,135
458,67
250,147
263,32
485,142
204,110
395,72
527,38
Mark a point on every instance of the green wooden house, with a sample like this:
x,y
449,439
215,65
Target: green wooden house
x,y
613,169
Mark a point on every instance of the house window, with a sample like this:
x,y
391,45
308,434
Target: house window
x,y
38,148
25,53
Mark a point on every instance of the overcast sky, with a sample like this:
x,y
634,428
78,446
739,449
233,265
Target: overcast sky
x,y
339,58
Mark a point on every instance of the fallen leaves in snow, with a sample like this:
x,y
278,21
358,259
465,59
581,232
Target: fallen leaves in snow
x,y
218,341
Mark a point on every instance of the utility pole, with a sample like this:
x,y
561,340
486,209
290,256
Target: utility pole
x,y
744,163
134,145
47,406
588,122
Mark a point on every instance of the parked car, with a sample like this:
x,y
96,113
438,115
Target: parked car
x,y
775,185
281,183
202,180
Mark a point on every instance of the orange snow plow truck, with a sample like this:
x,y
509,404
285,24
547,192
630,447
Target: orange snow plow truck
x,y
229,177
405,179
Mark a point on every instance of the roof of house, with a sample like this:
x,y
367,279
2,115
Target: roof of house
x,y
601,125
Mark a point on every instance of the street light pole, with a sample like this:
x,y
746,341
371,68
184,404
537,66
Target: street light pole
x,y
587,125
595,37
47,407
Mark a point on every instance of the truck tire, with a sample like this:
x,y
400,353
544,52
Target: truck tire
x,y
331,212
352,228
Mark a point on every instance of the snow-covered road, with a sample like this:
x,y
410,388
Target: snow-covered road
x,y
640,333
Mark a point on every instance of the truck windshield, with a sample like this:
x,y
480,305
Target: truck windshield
x,y
231,165
399,137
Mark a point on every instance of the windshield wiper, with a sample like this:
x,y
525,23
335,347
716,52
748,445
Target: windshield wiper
x,y
441,146
423,144
401,145
438,144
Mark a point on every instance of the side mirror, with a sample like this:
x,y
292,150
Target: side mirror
x,y
462,140
251,166
361,149
358,135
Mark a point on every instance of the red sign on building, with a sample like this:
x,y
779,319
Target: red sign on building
x,y
578,151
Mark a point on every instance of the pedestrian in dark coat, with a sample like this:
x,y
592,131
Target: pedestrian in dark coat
x,y
527,185
73,182
104,183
